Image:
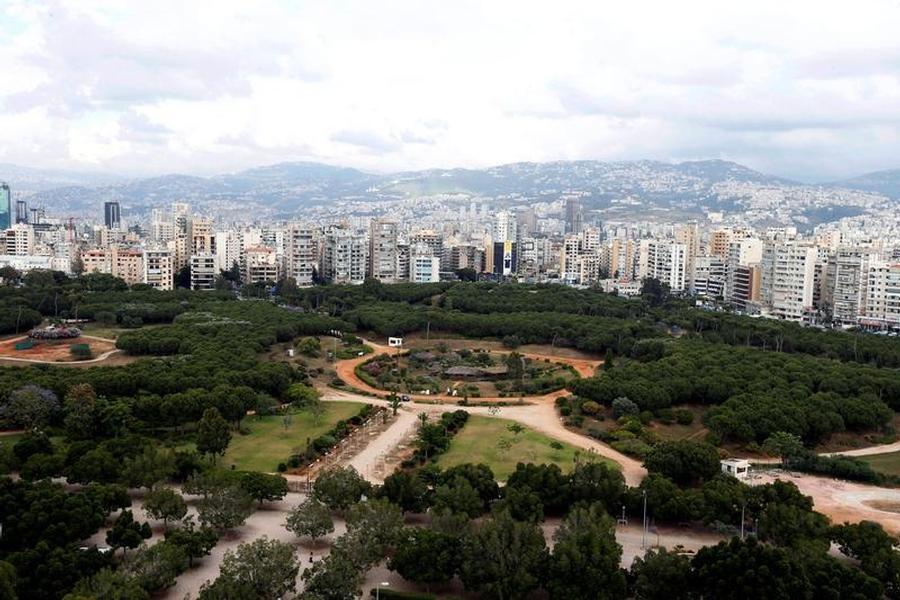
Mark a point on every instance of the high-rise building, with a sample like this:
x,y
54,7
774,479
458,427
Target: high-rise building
x,y
344,256
574,215
260,265
19,240
665,261
424,268
846,284
201,236
204,269
505,258
709,276
883,295
112,216
21,211
787,279
301,253
158,269
5,206
384,255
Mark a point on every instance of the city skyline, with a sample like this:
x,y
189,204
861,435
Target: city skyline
x,y
794,90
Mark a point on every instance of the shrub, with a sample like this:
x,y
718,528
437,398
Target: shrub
x,y
684,417
623,407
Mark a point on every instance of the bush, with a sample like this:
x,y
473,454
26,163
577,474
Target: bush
x,y
80,351
511,341
684,417
623,407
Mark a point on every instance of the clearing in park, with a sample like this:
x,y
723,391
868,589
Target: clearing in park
x,y
480,441
269,443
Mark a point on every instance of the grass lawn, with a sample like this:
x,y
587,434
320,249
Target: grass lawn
x,y
10,440
268,443
477,443
888,464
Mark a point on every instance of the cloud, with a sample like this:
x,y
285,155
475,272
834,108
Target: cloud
x,y
801,89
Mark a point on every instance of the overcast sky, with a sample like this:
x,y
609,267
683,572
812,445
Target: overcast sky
x,y
809,90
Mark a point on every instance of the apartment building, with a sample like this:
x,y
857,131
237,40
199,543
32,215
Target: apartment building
x,y
787,279
301,253
345,255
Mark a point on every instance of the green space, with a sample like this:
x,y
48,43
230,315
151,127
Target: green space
x,y
888,463
267,441
10,440
479,442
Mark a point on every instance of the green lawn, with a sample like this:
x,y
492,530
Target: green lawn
x,y
888,464
11,439
268,443
477,442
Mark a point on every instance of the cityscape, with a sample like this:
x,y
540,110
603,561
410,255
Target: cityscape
x,y
824,256
419,300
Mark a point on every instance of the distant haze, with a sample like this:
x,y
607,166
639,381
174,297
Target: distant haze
x,y
805,90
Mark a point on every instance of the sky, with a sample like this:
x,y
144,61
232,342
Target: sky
x,y
808,90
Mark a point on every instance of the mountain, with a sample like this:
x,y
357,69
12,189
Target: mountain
x,y
879,182
27,179
618,190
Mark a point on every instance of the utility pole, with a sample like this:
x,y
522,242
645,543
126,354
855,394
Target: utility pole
x,y
644,525
743,508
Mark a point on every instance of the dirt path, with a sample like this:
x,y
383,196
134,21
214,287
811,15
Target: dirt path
x,y
845,501
370,462
99,358
870,451
540,416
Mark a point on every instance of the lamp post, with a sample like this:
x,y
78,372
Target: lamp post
x,y
644,524
378,589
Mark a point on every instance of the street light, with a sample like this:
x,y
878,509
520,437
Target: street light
x,y
378,589
644,524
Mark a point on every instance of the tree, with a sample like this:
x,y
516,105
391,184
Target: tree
x,y
406,490
97,465
81,412
340,487
503,558
653,291
786,446
334,578
7,581
457,496
867,542
152,465
42,466
183,277
683,461
264,487
300,394
127,533
225,508
623,407
165,504
596,482
426,556
156,567
311,518
31,407
522,505
586,557
766,572
213,433
266,567
515,364
662,575
195,542
107,584
376,520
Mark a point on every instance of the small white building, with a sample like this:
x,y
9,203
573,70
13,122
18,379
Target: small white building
x,y
737,467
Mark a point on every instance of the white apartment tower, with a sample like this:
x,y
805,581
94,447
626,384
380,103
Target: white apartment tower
x,y
787,279
384,256
344,256
301,253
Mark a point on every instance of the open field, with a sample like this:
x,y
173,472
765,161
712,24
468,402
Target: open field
x,y
269,443
54,351
477,442
888,464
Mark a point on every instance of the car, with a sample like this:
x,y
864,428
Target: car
x,y
404,398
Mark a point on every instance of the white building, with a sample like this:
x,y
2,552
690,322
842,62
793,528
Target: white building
x,y
19,240
158,269
424,268
301,253
665,261
883,295
384,259
204,269
787,279
345,256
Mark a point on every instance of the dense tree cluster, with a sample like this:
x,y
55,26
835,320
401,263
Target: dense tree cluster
x,y
755,393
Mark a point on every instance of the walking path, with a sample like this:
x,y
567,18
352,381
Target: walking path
x,y
98,358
